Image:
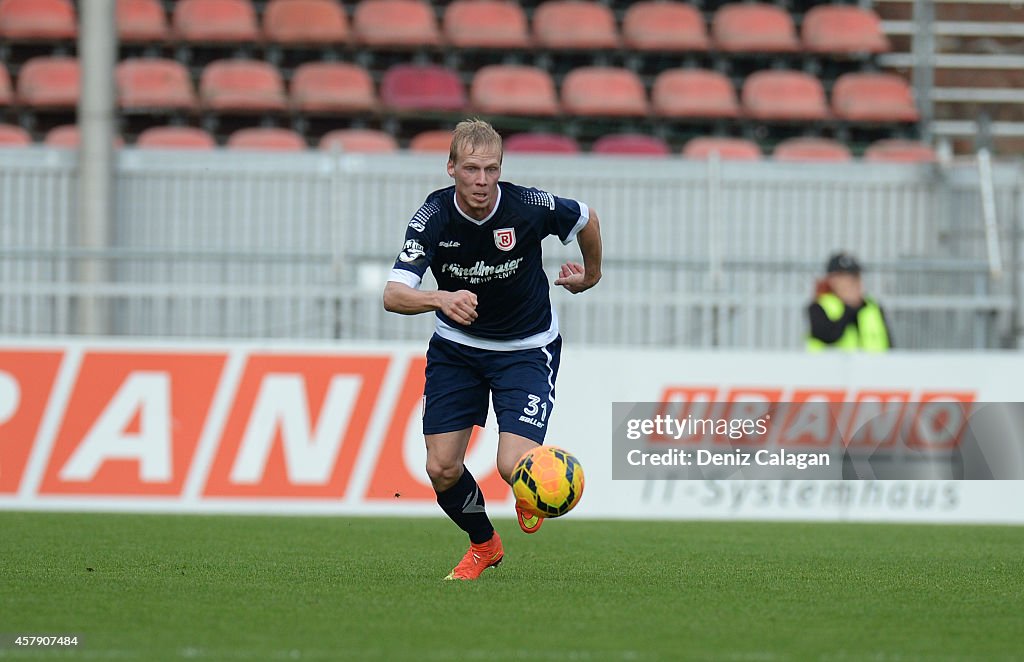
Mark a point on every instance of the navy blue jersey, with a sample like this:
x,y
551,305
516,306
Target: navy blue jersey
x,y
498,259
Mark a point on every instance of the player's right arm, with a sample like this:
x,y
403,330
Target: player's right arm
x,y
402,293
457,306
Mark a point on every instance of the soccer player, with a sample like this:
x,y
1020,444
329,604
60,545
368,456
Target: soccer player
x,y
496,333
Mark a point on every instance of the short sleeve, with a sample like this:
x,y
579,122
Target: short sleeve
x,y
570,216
418,250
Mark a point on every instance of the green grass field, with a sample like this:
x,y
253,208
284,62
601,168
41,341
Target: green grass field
x,y
147,587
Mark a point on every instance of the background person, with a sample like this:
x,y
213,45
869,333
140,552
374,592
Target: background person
x,y
842,317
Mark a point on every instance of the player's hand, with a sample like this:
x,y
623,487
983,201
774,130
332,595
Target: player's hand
x,y
459,306
573,277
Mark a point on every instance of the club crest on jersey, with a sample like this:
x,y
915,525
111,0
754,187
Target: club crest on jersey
x,y
505,238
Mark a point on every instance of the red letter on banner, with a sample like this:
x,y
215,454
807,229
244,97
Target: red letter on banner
x,y
26,379
132,424
296,426
393,477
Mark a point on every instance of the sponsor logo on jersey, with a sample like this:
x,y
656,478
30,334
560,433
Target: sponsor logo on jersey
x,y
448,244
482,272
412,251
505,238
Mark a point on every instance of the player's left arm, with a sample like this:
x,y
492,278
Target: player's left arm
x,y
577,277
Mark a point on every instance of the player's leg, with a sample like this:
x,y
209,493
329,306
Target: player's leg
x,y
457,491
454,400
523,393
511,447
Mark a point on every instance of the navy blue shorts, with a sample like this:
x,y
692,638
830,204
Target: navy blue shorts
x,y
521,384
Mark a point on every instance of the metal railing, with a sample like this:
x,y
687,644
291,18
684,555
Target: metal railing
x,y
698,254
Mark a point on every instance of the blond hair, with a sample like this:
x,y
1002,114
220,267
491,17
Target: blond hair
x,y
471,135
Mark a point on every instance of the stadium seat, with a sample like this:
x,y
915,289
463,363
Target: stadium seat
x,y
899,151
574,24
359,141
49,82
141,21
630,144
486,24
68,136
540,143
396,23
513,90
438,140
14,136
655,25
305,22
693,93
175,137
873,97
728,149
6,90
241,85
339,87
153,83
817,150
269,139
408,87
842,29
784,95
31,20
215,21
603,91
754,28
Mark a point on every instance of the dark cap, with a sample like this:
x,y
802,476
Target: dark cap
x,y
842,263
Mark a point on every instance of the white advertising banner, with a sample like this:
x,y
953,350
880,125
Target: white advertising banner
x,y
335,429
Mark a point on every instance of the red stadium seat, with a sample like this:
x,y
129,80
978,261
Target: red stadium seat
x,y
873,97
154,83
693,93
784,95
140,21
815,150
486,24
68,136
175,137
29,20
14,136
728,149
338,87
242,86
431,141
540,143
359,141
408,87
655,25
754,28
513,90
603,91
396,23
215,21
899,151
49,82
305,22
630,144
266,138
6,90
574,24
843,29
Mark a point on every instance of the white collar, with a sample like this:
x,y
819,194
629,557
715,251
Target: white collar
x,y
497,201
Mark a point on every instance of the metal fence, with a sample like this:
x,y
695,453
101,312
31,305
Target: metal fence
x,y
244,245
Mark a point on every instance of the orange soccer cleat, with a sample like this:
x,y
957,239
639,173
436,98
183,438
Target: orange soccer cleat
x,y
528,522
479,558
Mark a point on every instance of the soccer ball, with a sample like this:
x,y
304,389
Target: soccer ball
x,y
547,481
